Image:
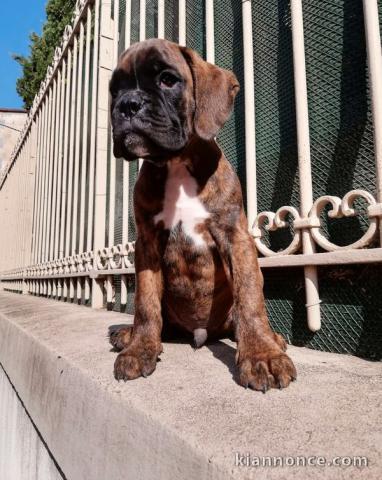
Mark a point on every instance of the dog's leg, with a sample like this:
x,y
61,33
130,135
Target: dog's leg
x,y
260,352
140,355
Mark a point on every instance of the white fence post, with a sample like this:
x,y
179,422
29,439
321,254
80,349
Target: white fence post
x,y
305,174
374,57
106,49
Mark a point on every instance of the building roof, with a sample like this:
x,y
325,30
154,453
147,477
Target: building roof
x,y
13,110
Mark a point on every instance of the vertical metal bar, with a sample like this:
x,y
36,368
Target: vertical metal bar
x,y
85,129
60,161
112,177
63,244
374,57
28,204
23,169
182,22
56,165
305,174
161,18
249,99
72,110
50,177
21,214
84,159
40,182
69,218
36,186
103,129
113,160
142,36
23,194
93,126
31,176
46,176
43,109
25,218
16,232
93,131
210,32
77,160
125,190
17,202
65,160
77,137
70,244
58,193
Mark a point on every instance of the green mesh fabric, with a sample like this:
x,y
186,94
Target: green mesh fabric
x,y
276,150
151,18
134,21
122,26
229,55
129,308
171,20
341,124
351,311
195,26
133,173
118,212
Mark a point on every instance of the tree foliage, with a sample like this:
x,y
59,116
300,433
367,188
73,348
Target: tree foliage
x,y
34,66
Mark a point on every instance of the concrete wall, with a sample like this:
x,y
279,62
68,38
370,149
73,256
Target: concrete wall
x,y
23,453
187,421
8,136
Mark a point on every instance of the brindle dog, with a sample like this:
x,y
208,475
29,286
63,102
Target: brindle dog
x,y
196,263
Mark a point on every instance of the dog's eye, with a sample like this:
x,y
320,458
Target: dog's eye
x,y
168,80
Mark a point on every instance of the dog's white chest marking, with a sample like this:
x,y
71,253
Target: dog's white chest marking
x,y
181,203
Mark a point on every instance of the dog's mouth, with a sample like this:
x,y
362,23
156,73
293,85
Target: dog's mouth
x,y
141,140
133,145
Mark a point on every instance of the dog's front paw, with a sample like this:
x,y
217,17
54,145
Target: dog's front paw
x,y
134,362
266,370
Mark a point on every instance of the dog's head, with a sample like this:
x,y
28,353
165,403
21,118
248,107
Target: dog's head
x,y
163,95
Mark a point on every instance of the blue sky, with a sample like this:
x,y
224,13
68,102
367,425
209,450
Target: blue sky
x,y
17,20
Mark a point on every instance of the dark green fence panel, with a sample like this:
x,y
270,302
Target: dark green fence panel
x,y
229,55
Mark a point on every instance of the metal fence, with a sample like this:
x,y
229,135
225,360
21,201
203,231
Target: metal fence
x,y
67,228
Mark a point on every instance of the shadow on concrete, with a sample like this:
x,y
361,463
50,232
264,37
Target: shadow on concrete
x,y
220,350
226,354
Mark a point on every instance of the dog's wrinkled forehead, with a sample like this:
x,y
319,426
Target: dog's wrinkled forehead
x,y
202,92
152,56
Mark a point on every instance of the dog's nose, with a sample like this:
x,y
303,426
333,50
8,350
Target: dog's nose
x,y
131,104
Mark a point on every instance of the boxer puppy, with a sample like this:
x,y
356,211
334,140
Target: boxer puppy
x,y
196,263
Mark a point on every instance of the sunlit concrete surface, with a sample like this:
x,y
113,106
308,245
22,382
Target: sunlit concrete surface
x,y
190,418
23,455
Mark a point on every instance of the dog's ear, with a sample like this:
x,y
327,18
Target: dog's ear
x,y
215,90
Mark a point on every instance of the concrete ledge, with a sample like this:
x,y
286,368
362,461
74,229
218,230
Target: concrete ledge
x,y
188,419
